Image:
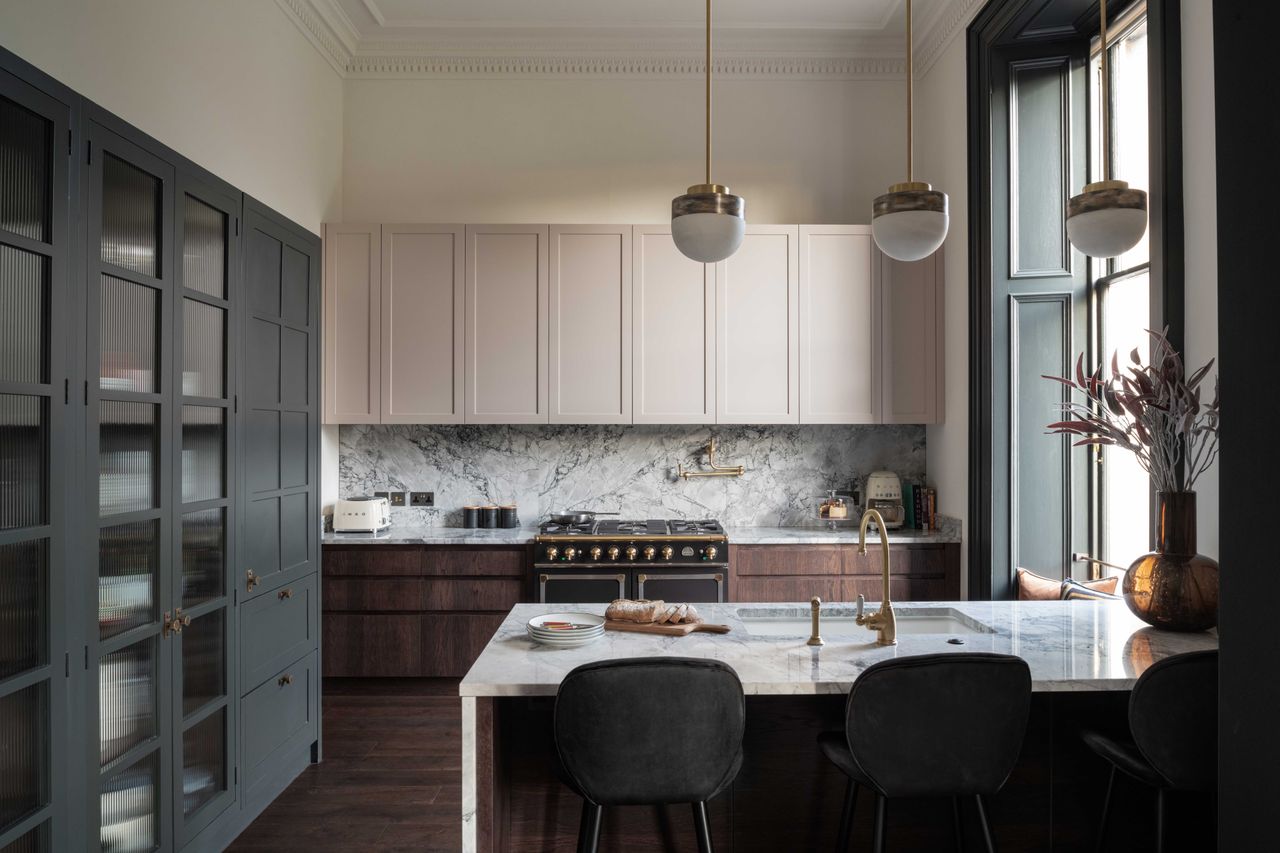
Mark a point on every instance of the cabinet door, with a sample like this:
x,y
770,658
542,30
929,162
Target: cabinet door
x,y
422,324
590,356
911,375
353,324
506,330
839,326
757,357
674,332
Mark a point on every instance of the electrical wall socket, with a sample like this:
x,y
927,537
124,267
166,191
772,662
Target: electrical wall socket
x,y
422,499
386,495
397,498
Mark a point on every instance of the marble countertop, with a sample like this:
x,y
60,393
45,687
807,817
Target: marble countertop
x,y
948,531
399,534
1069,645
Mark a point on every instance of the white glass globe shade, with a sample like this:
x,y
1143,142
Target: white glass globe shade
x,y
708,237
1108,231
910,235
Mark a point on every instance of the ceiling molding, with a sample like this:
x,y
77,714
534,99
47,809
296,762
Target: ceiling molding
x,y
321,32
947,22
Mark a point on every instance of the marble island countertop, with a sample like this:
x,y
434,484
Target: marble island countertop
x,y
1069,645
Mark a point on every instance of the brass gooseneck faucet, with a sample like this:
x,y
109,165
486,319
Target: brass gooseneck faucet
x,y
883,622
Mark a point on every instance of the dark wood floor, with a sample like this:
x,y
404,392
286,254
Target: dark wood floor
x,y
391,778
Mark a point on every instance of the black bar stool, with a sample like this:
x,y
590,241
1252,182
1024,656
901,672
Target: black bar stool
x,y
1173,722
942,725
648,731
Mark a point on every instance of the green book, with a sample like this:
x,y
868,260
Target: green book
x,y
909,505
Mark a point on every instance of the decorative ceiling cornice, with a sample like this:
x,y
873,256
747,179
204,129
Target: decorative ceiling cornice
x,y
947,23
634,65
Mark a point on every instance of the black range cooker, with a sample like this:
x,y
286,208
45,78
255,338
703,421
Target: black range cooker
x,y
672,560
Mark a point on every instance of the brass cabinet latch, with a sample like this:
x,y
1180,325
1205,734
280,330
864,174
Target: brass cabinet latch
x,y
287,592
284,680
251,580
174,623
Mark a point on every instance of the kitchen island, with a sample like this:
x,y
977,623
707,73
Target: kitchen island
x,y
1084,656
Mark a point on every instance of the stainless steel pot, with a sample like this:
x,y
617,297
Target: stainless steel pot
x,y
579,517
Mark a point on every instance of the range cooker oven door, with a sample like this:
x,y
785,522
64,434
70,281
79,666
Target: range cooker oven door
x,y
681,585
580,587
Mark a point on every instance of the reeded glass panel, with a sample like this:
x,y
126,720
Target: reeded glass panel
x,y
127,699
128,449
204,249
128,566
24,752
204,761
33,841
204,338
203,555
24,460
129,809
203,440
24,606
24,314
130,217
25,176
128,328
203,660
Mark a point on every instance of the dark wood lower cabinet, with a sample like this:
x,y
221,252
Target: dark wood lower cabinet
x,y
918,572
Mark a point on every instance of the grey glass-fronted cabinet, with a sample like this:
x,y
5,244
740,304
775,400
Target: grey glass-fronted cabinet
x,y
158,481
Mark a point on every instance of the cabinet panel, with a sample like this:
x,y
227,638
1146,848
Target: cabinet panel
x,y
276,628
376,645
590,324
673,332
786,560
423,314
353,321
839,326
451,642
799,588
757,352
281,715
506,326
912,371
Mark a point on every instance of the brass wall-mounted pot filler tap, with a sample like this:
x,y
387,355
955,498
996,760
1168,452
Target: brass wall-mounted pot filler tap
x,y
883,622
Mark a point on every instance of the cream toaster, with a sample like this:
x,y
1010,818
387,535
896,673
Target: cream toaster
x,y
884,494
361,515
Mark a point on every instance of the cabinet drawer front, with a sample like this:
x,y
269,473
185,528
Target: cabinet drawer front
x,y
451,642
922,561
276,628
281,715
785,560
375,594
787,589
902,589
472,593
382,645
390,560
467,561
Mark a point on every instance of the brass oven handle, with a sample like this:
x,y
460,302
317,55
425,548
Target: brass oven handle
x,y
251,579
284,680
287,592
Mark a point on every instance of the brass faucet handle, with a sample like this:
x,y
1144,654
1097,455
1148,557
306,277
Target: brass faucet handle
x,y
859,616
815,635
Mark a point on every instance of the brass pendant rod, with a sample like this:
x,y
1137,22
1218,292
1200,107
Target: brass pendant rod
x,y
708,158
910,100
1105,96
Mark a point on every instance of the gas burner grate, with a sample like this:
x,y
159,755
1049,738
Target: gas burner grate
x,y
551,528
700,527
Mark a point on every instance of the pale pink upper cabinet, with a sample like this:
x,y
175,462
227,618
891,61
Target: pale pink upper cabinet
x,y
674,323
423,311
352,323
590,355
839,326
757,352
911,298
506,325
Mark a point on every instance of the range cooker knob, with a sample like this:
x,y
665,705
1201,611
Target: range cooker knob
x,y
649,552
710,552
631,552
667,551
595,554
552,552
614,552
570,553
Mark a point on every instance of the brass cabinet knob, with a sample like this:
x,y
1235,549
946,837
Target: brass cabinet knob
x,y
631,552
570,553
251,580
284,680
287,592
552,552
614,552
595,553
667,551
649,552
711,552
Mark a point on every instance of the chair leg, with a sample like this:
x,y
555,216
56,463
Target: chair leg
x,y
846,817
702,827
1160,820
986,827
1106,811
589,827
959,827
877,843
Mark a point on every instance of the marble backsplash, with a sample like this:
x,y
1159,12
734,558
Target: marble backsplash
x,y
631,469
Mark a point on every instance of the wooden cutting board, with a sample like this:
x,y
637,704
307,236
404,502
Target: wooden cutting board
x,y
679,630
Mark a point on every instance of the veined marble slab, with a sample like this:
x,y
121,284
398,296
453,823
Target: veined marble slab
x,y
1069,645
406,534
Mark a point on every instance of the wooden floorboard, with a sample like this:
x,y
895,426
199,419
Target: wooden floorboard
x,y
391,778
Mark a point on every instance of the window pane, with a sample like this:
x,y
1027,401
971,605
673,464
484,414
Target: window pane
x,y
129,325
129,808
204,249
24,315
33,841
24,752
203,555
126,697
203,341
24,460
128,567
203,440
24,606
204,761
25,176
203,661
130,217
127,457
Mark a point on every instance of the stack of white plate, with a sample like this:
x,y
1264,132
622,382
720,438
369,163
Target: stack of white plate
x,y
566,630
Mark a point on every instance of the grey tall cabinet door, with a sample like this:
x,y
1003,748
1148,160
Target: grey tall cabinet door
x,y
34,466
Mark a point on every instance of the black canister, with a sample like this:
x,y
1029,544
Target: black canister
x,y
508,517
471,516
489,516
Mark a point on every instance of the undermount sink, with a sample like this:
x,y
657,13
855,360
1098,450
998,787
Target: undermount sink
x,y
839,622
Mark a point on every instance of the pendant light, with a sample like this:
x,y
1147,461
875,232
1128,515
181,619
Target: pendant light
x,y
1108,218
708,222
910,221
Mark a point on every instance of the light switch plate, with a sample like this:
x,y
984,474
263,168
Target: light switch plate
x,y
422,499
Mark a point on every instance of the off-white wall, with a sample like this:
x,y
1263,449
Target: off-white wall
x,y
232,84
615,150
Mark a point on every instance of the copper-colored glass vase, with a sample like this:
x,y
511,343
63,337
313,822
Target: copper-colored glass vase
x,y
1174,588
